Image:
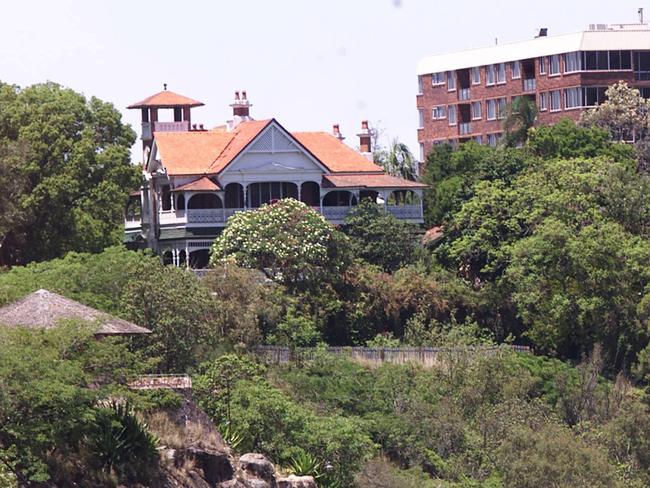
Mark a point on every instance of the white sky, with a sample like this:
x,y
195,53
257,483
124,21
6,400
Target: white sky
x,y
307,63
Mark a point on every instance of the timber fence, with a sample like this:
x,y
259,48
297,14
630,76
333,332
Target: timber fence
x,y
426,356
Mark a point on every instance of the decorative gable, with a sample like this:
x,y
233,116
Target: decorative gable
x,y
273,141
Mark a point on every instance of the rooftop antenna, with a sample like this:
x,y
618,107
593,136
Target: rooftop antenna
x,y
641,15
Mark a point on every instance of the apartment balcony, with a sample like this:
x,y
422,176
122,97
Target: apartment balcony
x,y
147,127
464,94
464,128
530,85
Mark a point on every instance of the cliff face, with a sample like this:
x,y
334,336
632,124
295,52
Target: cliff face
x,y
196,456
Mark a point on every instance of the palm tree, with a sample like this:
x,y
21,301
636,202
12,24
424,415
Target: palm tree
x,y
521,116
397,160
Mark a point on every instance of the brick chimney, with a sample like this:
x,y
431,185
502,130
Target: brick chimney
x,y
365,140
241,106
337,132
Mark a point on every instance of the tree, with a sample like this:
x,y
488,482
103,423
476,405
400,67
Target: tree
x,y
379,238
397,160
74,155
521,116
287,240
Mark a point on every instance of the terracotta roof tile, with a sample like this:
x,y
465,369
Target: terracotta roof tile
x,y
202,184
243,134
368,180
334,154
190,153
166,99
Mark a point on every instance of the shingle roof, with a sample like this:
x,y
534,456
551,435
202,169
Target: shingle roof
x,y
166,99
334,154
202,184
44,309
378,180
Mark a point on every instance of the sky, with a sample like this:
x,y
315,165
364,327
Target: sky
x,y
309,63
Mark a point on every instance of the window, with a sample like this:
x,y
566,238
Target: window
x,y
516,70
491,109
594,95
451,80
554,65
439,112
543,101
555,100
478,139
476,75
642,65
438,79
573,97
476,110
492,139
165,198
452,114
596,60
572,62
501,108
501,73
620,60
419,85
421,152
542,66
489,74
421,118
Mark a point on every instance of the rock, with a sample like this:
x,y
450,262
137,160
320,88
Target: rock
x,y
215,465
294,481
257,468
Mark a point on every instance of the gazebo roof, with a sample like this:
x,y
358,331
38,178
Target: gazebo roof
x,y
43,309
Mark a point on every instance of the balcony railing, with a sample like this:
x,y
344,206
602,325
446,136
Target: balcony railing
x,y
464,94
465,128
530,85
182,126
407,212
206,215
336,213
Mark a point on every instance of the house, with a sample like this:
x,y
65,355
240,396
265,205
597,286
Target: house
x,y
463,95
44,309
194,179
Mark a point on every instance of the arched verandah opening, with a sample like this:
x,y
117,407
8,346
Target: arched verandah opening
x,y
203,201
267,192
234,197
403,197
339,198
199,259
310,193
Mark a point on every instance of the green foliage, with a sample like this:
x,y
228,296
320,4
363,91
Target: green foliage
x,y
120,442
521,116
287,240
304,464
397,160
295,330
379,237
74,172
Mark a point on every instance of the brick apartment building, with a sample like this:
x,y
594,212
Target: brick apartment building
x,y
463,96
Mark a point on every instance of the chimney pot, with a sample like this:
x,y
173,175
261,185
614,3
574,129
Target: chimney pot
x,y
243,94
193,126
201,127
364,125
237,95
165,86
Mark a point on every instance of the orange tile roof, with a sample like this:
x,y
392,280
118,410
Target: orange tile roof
x,y
202,184
190,153
334,154
242,136
166,99
368,181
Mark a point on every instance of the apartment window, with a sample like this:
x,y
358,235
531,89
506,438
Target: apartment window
x,y
476,75
594,95
421,152
543,101
501,73
439,112
451,110
438,79
491,107
554,65
419,85
555,100
620,60
572,62
596,60
451,80
476,110
501,108
542,66
573,97
493,139
478,139
489,75
516,70
421,118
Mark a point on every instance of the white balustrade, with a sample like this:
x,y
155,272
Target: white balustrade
x,y
205,215
182,126
336,213
408,212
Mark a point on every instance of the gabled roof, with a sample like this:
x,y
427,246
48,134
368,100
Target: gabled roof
x,y
242,136
166,99
336,156
44,309
615,37
202,184
190,153
368,180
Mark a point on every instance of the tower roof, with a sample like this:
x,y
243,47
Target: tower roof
x,y
166,99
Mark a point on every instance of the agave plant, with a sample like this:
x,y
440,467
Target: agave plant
x,y
231,436
304,464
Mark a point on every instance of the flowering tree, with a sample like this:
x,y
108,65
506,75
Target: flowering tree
x,y
287,240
